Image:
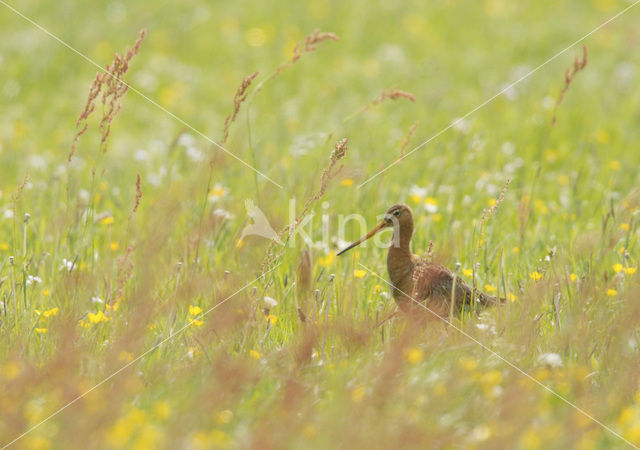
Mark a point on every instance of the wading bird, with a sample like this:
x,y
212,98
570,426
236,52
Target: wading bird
x,y
415,279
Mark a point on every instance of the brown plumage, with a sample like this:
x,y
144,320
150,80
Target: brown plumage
x,y
415,279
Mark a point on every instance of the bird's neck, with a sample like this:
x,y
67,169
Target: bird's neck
x,y
401,242
399,263
399,257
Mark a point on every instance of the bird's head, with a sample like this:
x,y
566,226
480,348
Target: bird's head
x,y
399,216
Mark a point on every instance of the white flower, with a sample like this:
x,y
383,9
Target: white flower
x,y
154,179
508,148
186,140
478,144
195,154
141,155
624,73
60,170
417,190
510,92
66,264
37,162
431,207
96,300
486,327
461,125
548,102
270,302
31,280
217,192
481,433
552,360
222,214
8,214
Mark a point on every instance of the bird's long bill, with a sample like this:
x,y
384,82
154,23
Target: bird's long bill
x,y
370,234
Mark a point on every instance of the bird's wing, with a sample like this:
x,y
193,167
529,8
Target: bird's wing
x,y
437,282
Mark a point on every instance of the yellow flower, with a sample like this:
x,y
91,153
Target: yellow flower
x,y
378,289
624,226
468,363
626,416
10,370
50,312
541,207
195,310
563,180
516,250
113,307
467,272
4,247
108,220
272,319
325,261
536,276
630,270
197,323
161,410
492,202
347,182
98,317
431,201
37,443
46,293
239,243
550,155
603,136
256,37
491,378
309,431
437,217
104,185
255,355
511,297
358,394
573,277
414,355
125,356
359,273
41,330
225,417
114,246
615,165
415,198
490,288
530,440
618,268
611,292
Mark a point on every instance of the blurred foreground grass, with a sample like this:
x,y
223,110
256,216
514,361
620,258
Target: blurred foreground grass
x,y
88,285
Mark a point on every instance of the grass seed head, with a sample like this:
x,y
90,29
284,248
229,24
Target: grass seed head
x,y
110,83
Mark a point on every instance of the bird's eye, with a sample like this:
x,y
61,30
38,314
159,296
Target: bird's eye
x,y
396,213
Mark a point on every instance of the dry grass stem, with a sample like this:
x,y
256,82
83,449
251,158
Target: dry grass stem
x,y
113,88
578,65
238,99
330,172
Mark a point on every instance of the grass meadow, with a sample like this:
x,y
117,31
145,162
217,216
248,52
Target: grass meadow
x,y
133,314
